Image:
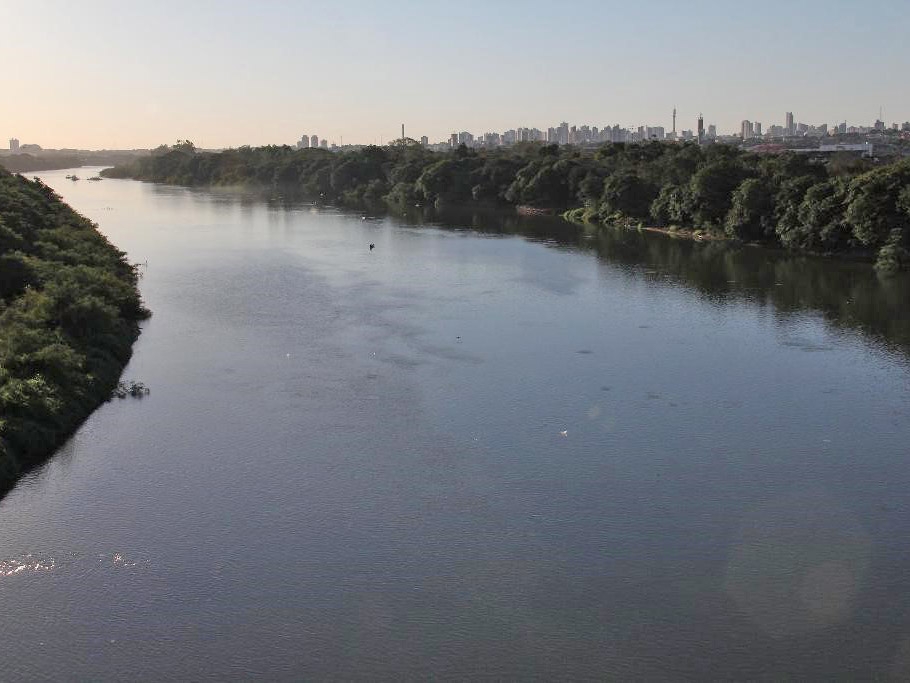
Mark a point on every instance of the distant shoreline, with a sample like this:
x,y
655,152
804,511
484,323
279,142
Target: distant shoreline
x,y
26,163
846,206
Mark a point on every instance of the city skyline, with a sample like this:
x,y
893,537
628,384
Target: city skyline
x,y
102,75
565,133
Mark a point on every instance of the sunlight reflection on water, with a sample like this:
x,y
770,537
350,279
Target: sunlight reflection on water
x,y
23,564
799,565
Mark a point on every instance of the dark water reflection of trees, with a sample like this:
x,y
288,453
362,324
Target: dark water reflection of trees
x,y
849,295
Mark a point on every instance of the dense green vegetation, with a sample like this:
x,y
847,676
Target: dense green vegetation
x,y
69,308
845,205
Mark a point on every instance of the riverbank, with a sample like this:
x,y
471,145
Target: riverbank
x,y
776,200
69,314
584,217
589,217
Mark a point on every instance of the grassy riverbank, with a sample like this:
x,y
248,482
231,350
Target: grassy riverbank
x,y
69,312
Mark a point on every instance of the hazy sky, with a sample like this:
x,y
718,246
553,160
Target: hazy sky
x,y
124,73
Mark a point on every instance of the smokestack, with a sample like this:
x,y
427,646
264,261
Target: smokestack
x,y
402,131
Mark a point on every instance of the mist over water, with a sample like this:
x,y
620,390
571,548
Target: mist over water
x,y
491,446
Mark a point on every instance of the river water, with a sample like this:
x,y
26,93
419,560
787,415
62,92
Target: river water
x,y
491,447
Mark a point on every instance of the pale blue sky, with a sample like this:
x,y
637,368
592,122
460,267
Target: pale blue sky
x,y
100,73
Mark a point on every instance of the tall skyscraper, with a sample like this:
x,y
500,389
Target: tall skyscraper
x,y
757,129
701,128
789,129
314,141
674,121
303,142
13,146
746,130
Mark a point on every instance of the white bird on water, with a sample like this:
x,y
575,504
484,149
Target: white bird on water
x,y
564,432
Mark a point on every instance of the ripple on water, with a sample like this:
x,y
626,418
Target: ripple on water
x,y
31,563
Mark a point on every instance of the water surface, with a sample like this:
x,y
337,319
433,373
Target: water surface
x,y
492,446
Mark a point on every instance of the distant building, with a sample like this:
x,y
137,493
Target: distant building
x,y
324,144
712,132
314,141
701,128
424,140
655,133
453,140
788,125
13,146
491,140
746,130
756,129
862,149
303,143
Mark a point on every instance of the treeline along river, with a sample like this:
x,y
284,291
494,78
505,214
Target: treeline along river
x,y
492,445
839,205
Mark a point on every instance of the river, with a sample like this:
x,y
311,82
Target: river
x,y
489,447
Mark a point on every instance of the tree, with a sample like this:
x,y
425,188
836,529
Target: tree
x,y
627,194
448,179
751,212
185,146
15,275
821,217
873,210
787,200
673,206
712,189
